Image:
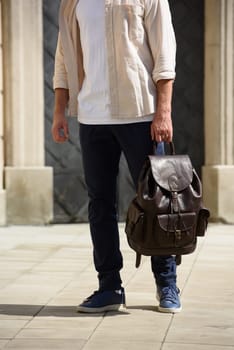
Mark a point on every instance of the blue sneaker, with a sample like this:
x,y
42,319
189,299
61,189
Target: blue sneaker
x,y
169,300
101,301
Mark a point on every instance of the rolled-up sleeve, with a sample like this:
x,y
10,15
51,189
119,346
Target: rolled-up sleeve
x,y
60,73
161,38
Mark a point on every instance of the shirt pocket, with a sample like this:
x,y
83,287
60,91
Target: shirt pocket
x,y
131,16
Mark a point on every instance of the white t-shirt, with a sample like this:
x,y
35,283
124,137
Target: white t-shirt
x,y
94,98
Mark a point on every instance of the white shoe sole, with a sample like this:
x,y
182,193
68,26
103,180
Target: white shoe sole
x,y
169,310
92,310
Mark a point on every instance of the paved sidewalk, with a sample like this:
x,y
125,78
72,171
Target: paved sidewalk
x,y
46,271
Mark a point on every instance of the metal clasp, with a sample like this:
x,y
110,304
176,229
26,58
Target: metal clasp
x,y
178,234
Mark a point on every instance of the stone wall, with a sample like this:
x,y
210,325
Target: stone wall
x,y
28,183
2,191
218,172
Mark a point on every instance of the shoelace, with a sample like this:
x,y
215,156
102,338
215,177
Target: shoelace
x,y
169,293
99,292
92,295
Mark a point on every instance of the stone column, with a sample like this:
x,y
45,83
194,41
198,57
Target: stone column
x,y
2,191
218,172
29,184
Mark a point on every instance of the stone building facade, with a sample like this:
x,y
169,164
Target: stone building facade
x,y
26,183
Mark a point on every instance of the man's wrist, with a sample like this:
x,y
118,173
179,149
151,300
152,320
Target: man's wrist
x,y
59,114
166,108
163,111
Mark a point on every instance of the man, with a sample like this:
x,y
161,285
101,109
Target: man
x,y
114,68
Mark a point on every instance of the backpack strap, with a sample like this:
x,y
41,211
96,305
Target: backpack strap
x,y
138,260
178,259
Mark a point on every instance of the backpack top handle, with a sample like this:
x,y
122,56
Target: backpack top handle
x,y
159,148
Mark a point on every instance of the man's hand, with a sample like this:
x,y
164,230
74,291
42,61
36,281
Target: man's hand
x,y
161,127
59,129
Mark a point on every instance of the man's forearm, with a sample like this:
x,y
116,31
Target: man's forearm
x,y
60,130
61,100
164,95
161,127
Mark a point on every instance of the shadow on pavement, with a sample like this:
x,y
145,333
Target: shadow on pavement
x,y
52,310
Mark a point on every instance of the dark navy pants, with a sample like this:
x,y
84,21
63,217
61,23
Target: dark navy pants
x,y
101,147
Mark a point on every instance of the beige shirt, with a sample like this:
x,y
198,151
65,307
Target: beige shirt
x,y
141,50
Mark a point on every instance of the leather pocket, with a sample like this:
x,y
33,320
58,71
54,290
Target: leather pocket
x,y
202,221
135,223
175,230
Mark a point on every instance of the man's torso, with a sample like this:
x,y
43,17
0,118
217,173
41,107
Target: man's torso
x,y
94,97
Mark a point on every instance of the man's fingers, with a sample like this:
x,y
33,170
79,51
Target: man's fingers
x,y
65,128
160,133
61,139
155,134
61,135
159,139
58,136
167,137
60,132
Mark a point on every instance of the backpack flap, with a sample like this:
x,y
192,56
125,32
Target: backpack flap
x,y
172,172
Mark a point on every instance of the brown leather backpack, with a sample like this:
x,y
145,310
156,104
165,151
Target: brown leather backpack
x,y
167,214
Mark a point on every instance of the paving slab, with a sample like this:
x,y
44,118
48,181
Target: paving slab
x,y
179,346
132,327
13,323
54,333
68,311
121,345
203,328
19,311
3,343
46,271
8,333
45,344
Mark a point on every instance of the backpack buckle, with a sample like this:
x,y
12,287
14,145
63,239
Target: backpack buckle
x,y
178,235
